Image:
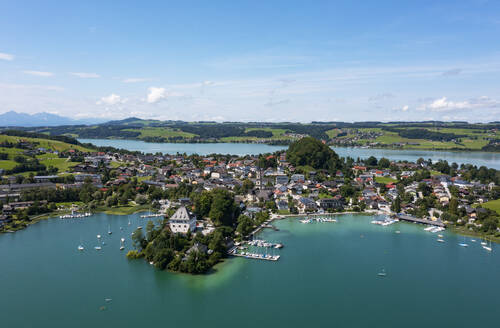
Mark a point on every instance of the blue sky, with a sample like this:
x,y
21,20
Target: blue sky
x,y
252,61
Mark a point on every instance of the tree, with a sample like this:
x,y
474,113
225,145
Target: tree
x,y
424,188
203,204
245,225
111,201
247,185
396,205
384,163
150,230
141,199
223,208
138,239
371,161
453,206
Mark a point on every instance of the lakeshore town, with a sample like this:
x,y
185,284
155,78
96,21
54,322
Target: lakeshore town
x,y
215,204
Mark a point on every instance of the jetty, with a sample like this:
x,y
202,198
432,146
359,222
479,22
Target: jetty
x,y
263,243
75,215
408,218
317,219
152,215
385,222
267,257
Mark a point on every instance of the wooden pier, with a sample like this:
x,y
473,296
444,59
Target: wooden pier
x,y
234,252
413,219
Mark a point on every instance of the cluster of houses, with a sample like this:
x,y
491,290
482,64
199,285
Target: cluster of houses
x,y
289,190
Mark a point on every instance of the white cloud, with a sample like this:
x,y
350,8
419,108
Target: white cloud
x,y
135,80
5,56
86,75
156,94
39,73
405,108
112,99
445,105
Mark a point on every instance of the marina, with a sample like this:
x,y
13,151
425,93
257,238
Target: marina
x,y
385,222
152,215
75,215
319,219
255,256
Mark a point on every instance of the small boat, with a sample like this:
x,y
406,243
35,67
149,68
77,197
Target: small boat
x,y
129,222
81,248
109,230
473,240
97,248
98,236
122,240
488,248
122,247
483,243
108,299
463,245
440,240
440,236
382,273
139,227
397,231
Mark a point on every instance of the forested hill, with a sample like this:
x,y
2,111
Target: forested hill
x,y
314,153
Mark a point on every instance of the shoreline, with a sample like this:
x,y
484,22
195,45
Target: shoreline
x,y
56,214
142,208
287,144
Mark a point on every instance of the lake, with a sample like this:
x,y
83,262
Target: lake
x,y
468,157
327,277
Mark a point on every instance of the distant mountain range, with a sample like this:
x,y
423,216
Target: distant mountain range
x,y
16,119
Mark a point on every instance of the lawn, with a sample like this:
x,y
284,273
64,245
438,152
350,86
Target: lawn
x,y
472,141
492,205
123,210
7,165
45,143
333,133
62,164
385,180
162,132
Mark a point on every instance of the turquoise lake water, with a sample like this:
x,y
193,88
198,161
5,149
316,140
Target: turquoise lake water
x,y
477,158
327,277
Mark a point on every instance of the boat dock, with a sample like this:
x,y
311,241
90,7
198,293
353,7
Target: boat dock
x,y
413,219
318,219
152,215
385,222
75,215
263,243
267,257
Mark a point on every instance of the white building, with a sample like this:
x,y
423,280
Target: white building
x,y
182,221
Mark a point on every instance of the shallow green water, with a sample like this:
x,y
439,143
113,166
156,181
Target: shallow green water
x,y
327,277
